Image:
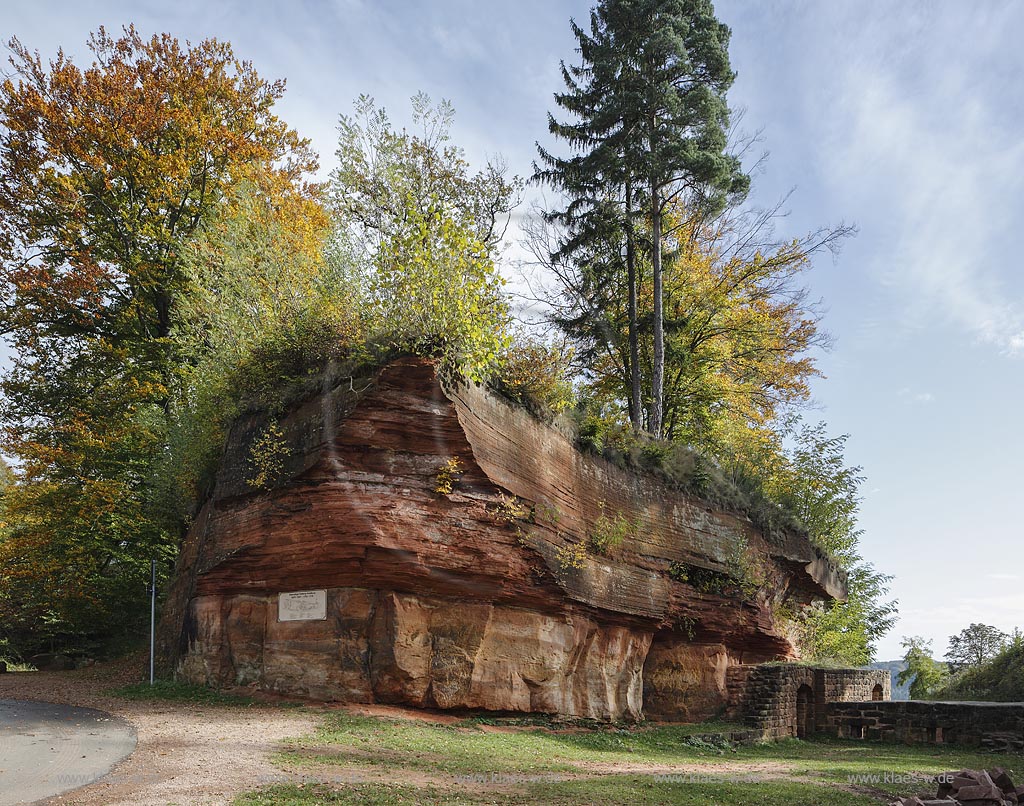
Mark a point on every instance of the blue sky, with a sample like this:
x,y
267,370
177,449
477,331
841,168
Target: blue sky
x,y
905,119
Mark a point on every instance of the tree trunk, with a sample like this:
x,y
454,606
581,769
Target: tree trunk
x,y
658,369
634,342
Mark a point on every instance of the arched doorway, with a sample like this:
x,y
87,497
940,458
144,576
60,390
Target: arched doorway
x,y
804,712
876,692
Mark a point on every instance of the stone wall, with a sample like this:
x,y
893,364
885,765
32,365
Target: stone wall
x,y
847,685
989,724
783,700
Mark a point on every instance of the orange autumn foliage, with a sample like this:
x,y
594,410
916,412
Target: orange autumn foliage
x,y
107,174
107,169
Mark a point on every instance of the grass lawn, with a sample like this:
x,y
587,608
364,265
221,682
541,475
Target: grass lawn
x,y
177,691
374,760
195,694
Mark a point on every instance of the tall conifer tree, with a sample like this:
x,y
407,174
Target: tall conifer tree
x,y
597,179
649,129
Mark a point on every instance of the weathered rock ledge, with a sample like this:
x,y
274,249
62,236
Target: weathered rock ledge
x,y
446,600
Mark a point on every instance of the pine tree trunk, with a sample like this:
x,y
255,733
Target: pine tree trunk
x,y
634,341
658,370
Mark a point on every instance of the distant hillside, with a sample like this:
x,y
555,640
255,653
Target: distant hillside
x,y
895,667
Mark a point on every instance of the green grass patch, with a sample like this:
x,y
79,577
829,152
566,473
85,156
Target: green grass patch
x,y
560,723
364,794
177,691
467,748
611,789
470,763
870,764
14,666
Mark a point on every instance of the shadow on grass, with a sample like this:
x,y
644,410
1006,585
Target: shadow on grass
x,y
611,789
840,771
176,691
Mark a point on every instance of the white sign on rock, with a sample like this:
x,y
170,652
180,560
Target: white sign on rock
x,y
302,606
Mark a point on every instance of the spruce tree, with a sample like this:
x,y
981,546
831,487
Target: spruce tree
x,y
596,180
650,130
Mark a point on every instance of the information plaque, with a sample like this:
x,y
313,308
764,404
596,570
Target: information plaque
x,y
302,606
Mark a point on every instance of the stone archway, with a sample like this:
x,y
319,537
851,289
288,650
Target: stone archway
x,y
804,712
876,692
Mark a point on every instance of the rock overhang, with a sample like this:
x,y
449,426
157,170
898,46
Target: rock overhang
x,y
355,506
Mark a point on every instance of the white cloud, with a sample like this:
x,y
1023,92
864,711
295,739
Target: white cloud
x,y
917,397
939,621
934,165
456,46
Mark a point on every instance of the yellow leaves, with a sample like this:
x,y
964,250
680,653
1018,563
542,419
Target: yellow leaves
x,y
571,558
448,475
741,331
267,456
435,288
536,373
114,165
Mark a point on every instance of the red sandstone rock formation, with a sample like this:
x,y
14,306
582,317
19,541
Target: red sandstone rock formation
x,y
438,600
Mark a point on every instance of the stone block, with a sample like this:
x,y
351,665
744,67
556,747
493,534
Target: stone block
x,y
979,793
52,662
1001,779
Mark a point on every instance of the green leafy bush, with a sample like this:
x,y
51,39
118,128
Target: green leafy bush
x,y
610,532
1000,679
925,674
745,574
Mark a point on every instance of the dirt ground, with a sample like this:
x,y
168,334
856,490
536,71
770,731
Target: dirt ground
x,y
189,754
199,755
186,754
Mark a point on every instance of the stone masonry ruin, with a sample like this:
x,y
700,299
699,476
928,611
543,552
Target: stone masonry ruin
x,y
997,726
783,700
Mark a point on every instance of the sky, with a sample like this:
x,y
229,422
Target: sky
x,y
905,119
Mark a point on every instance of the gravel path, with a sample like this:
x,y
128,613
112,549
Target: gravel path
x,y
186,754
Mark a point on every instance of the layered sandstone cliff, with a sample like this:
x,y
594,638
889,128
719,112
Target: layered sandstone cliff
x,y
482,597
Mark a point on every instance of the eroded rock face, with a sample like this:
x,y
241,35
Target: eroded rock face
x,y
683,681
384,646
466,600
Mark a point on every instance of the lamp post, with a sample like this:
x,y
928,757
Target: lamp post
x,y
152,620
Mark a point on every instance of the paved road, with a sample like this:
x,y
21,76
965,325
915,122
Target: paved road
x,y
47,749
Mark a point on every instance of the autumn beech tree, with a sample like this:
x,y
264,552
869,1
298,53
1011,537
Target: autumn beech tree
x,y
107,173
